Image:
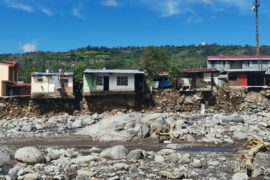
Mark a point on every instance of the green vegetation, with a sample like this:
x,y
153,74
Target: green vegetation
x,y
178,57
154,61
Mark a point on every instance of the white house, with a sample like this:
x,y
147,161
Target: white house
x,y
52,85
105,81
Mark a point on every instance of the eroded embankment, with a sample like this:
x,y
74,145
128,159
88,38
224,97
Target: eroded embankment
x,y
162,101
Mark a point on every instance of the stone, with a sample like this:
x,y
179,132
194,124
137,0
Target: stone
x,y
240,176
83,174
135,154
120,166
159,158
30,155
4,155
196,164
116,152
240,135
172,175
31,176
166,151
232,118
121,127
85,159
174,158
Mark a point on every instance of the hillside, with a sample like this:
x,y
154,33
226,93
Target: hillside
x,y
123,57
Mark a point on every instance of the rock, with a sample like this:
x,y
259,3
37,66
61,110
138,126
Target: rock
x,y
172,175
213,163
31,176
240,176
77,123
166,151
122,127
174,146
4,155
174,158
30,155
159,158
83,174
196,164
116,152
27,128
135,154
159,125
13,171
120,166
240,135
85,159
232,118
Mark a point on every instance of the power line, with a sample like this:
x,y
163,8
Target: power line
x,y
256,5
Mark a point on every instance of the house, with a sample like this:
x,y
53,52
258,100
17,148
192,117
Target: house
x,y
202,79
9,85
243,71
52,85
112,82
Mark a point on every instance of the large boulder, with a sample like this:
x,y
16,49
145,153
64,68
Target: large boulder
x,y
116,152
240,176
121,127
30,155
232,118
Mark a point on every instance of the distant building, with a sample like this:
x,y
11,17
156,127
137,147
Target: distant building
x,y
243,71
52,85
9,85
109,82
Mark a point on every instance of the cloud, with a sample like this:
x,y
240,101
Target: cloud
x,y
111,3
170,9
46,11
29,47
20,6
195,19
77,13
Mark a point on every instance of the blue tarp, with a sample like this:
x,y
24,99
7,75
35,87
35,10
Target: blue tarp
x,y
165,84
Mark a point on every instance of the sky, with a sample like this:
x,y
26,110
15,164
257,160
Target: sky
x,y
62,25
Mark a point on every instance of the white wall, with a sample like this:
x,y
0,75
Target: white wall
x,y
40,87
113,82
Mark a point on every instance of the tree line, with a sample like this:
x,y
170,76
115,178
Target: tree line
x,y
153,59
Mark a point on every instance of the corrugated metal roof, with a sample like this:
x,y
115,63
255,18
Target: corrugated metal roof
x,y
232,58
114,71
52,74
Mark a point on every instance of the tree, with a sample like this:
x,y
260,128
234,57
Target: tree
x,y
154,61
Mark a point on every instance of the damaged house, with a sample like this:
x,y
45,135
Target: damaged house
x,y
198,79
242,71
52,85
119,86
9,85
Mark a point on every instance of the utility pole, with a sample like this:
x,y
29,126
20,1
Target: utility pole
x,y
256,5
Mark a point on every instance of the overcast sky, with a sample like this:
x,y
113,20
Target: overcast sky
x,y
60,25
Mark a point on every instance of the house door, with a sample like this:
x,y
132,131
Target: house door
x,y
106,83
243,79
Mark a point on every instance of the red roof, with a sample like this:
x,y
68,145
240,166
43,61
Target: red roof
x,y
238,57
10,63
197,70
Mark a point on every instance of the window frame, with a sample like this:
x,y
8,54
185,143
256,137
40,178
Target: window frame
x,y
99,81
122,81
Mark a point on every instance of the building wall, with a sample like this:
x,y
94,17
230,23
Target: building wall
x,y
89,82
48,86
3,77
248,64
38,86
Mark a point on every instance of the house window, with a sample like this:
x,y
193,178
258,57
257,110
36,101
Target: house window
x,y
122,81
99,81
39,79
248,63
213,63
